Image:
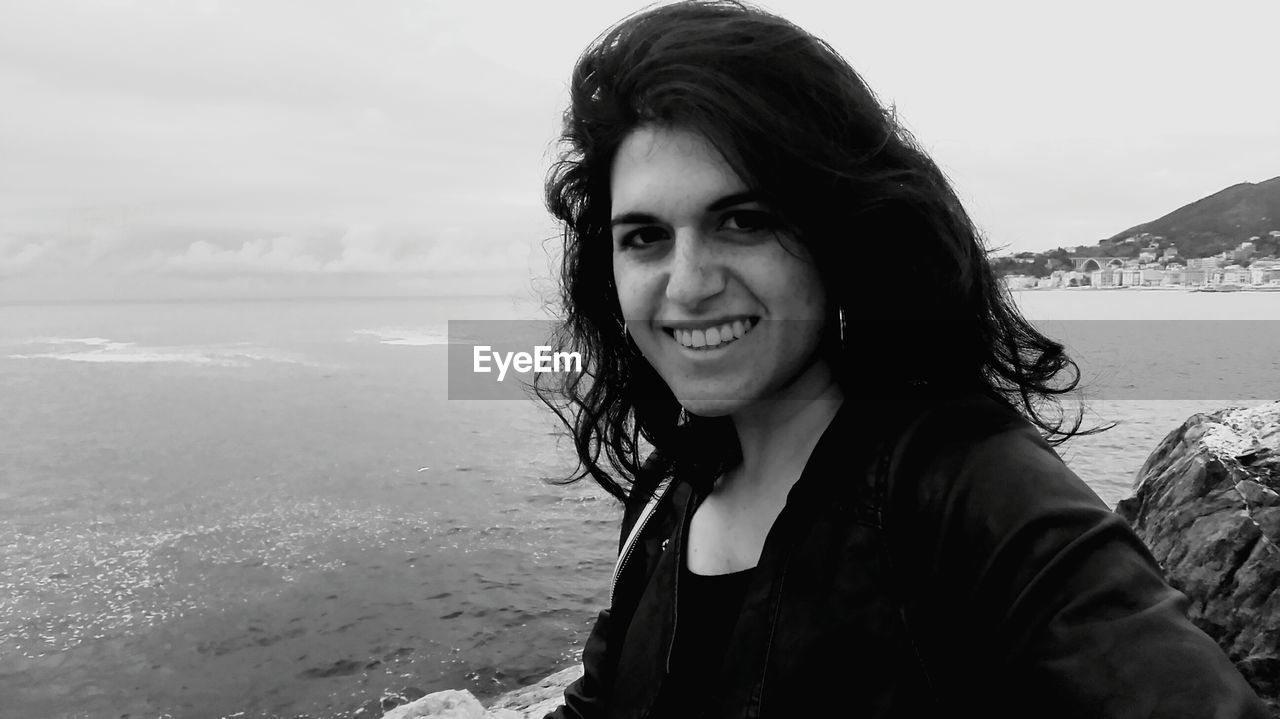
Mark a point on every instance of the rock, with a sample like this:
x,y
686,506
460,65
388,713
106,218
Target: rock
x,y
391,700
1207,504
529,702
447,704
537,700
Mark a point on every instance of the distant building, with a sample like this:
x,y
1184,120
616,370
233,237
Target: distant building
x,y
1235,275
1020,282
1064,278
1203,263
1170,252
1105,277
1195,278
1152,277
1131,277
1147,255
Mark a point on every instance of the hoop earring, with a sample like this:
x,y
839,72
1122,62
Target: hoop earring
x,y
840,324
684,416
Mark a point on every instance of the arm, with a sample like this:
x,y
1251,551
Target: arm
x,y
1045,600
585,698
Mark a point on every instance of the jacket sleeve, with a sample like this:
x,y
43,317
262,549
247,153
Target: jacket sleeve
x,y
1042,598
586,697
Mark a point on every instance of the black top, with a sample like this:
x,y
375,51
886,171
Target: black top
x,y
707,612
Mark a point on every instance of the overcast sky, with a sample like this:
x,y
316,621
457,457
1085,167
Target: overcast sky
x,y
159,148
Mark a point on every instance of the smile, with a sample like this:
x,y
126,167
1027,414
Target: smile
x,y
715,337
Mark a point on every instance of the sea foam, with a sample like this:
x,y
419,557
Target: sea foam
x,y
106,351
408,336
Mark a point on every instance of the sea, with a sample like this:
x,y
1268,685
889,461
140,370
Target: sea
x,y
273,508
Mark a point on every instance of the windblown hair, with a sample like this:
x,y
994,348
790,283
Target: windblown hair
x,y
800,127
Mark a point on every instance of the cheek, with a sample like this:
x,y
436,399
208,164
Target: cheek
x,y
633,285
795,284
808,287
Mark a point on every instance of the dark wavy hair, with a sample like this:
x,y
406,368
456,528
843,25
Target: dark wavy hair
x,y
800,127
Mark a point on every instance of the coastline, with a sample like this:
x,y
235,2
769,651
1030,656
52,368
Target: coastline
x,y
1176,288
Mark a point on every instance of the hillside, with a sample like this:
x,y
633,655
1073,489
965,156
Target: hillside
x,y
1217,222
1211,225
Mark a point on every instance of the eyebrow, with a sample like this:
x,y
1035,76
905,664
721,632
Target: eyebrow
x,y
644,218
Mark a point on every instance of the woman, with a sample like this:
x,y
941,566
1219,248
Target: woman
x,y
849,507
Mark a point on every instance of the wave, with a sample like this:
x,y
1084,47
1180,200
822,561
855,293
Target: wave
x,y
408,336
106,351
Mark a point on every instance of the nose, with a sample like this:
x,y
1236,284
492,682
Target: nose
x,y
695,272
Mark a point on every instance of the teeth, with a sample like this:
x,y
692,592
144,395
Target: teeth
x,y
714,336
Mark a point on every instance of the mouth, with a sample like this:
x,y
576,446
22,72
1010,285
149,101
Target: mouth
x,y
712,337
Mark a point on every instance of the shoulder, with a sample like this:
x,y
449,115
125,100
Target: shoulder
x,y
980,453
1015,560
975,483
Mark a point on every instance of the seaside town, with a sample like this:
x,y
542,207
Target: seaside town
x,y
1156,266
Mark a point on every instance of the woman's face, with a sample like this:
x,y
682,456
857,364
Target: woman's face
x,y
726,307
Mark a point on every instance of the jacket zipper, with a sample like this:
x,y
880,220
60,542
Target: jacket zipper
x,y
649,510
648,712
675,583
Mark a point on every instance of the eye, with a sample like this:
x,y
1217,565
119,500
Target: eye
x,y
749,221
642,237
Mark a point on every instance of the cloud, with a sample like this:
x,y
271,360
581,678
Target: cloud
x,y
18,257
359,261
363,250
280,255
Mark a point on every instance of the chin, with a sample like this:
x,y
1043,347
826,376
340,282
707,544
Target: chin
x,y
716,399
712,407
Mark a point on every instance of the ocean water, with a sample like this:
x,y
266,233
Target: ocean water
x,y
272,509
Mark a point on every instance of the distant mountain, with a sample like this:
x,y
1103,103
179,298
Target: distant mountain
x,y
1218,222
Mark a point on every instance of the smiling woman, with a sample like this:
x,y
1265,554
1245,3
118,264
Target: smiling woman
x,y
852,480
725,307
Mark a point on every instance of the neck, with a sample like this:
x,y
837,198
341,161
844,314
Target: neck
x,y
778,436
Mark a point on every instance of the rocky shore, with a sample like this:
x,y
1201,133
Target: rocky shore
x,y
530,702
1207,504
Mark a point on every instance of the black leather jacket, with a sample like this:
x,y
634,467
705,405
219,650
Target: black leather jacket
x,y
931,560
